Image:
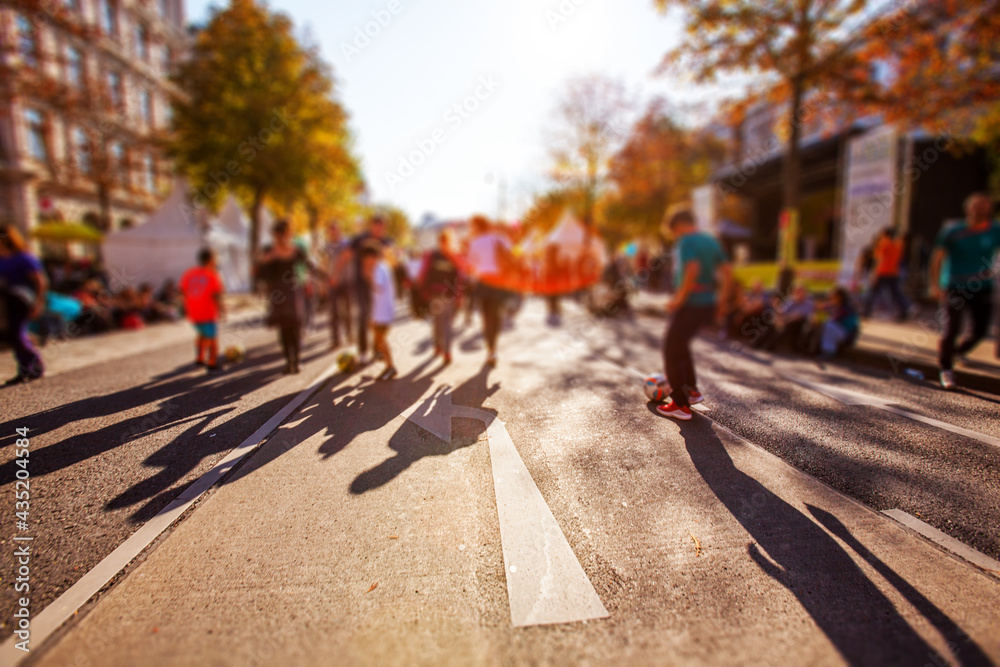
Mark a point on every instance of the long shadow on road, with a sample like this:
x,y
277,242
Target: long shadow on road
x,y
860,621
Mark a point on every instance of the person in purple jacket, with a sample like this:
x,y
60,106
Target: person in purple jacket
x,y
22,292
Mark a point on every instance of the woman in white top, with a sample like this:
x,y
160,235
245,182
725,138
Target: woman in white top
x,y
489,255
380,279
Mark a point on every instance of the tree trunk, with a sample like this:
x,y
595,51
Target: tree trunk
x,y
791,195
104,204
255,213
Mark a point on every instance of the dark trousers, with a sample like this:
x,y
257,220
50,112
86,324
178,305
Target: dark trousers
x,y
364,316
340,313
29,361
491,300
290,336
979,306
893,285
677,349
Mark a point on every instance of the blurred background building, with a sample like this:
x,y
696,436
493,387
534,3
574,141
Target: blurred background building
x,y
84,94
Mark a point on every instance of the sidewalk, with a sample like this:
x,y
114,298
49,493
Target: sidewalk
x,y
895,347
354,536
62,356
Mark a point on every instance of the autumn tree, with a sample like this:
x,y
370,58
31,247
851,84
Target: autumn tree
x,y
590,125
259,116
790,47
944,55
660,163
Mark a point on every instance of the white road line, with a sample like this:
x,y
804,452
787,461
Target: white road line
x,y
545,582
62,608
943,539
850,397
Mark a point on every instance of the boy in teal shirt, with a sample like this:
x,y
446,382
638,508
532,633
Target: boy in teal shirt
x,y
962,279
700,265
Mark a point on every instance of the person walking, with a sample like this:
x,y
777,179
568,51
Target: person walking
x,y
377,272
701,267
489,257
374,237
438,283
280,269
23,286
962,279
203,290
340,270
888,259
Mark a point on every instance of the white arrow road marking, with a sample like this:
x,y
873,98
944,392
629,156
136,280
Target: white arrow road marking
x,y
945,540
849,397
545,581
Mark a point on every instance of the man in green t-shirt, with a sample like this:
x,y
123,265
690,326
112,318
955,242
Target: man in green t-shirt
x,y
701,267
962,278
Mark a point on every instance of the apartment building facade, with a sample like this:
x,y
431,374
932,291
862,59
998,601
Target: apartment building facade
x,y
84,103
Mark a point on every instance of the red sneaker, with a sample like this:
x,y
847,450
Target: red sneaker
x,y
675,411
695,397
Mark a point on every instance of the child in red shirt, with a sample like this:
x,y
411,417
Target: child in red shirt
x,y
203,291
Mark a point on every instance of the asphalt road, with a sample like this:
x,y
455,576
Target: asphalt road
x,y
356,535
637,496
113,444
885,460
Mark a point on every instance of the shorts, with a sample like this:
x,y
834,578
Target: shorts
x,y
207,329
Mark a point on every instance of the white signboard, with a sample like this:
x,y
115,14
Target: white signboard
x,y
703,200
869,202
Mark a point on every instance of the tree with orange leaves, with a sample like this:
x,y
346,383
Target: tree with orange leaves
x,y
793,46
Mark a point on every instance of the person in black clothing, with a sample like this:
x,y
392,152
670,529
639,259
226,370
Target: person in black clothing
x,y
438,286
277,269
376,238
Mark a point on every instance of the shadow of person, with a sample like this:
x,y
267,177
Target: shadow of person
x,y
356,410
859,620
966,651
412,443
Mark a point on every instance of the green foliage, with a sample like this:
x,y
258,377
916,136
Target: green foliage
x,y
258,115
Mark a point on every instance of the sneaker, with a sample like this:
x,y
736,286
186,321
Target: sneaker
x,y
214,368
675,411
200,362
948,380
491,360
388,374
695,397
447,358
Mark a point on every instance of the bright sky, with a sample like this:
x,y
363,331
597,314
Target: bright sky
x,y
400,88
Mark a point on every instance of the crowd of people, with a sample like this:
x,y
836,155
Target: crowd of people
x,y
360,278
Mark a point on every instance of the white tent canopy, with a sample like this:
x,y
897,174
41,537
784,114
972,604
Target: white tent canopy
x,y
167,244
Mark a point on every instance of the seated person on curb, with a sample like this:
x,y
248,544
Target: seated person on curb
x,y
841,327
793,321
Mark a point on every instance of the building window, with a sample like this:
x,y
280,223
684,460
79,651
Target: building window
x,y
116,153
168,59
35,124
74,66
165,8
115,93
142,42
146,102
81,146
27,40
108,16
149,174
